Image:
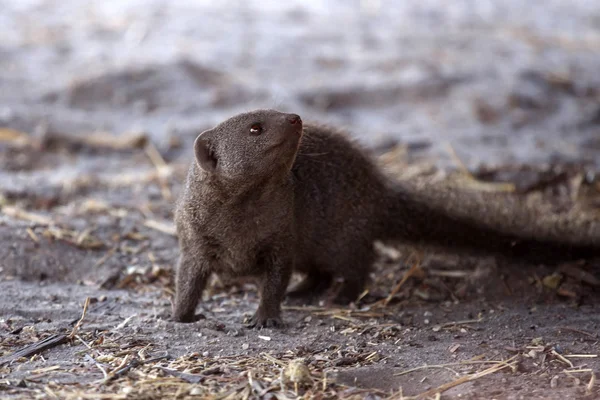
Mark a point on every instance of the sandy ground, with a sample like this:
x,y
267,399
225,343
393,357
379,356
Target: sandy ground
x,y
511,90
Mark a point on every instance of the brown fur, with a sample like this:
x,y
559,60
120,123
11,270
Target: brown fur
x,y
270,204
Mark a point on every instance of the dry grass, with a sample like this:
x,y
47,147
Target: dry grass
x,y
109,365
126,367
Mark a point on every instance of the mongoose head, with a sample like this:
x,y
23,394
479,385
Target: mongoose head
x,y
256,143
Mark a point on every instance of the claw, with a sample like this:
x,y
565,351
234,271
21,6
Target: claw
x,y
259,322
187,318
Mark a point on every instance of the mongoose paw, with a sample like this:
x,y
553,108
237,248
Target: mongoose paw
x,y
187,318
259,321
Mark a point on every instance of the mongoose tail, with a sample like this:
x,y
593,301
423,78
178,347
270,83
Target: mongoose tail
x,y
488,223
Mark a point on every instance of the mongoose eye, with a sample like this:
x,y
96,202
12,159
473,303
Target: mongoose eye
x,y
256,129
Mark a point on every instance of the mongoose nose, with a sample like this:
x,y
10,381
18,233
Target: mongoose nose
x,y
294,119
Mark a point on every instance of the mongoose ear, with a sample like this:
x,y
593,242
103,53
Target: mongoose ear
x,y
205,156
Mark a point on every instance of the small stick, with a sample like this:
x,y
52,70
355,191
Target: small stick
x,y
459,162
99,365
463,322
50,393
36,348
163,227
190,378
581,356
273,359
78,324
466,362
447,386
122,324
15,137
157,358
161,167
32,235
413,269
121,369
125,367
18,213
481,185
591,383
98,140
561,358
448,274
105,257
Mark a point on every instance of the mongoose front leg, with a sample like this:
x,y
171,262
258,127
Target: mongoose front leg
x,y
192,275
273,284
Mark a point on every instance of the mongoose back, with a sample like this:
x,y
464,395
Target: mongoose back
x,y
267,195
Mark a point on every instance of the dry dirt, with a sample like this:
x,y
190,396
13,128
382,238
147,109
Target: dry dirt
x,y
510,92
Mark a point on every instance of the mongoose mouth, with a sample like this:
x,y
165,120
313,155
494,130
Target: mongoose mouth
x,y
296,123
289,140
298,131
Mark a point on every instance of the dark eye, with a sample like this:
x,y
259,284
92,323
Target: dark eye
x,y
256,129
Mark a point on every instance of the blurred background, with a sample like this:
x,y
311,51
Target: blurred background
x,y
100,101
501,80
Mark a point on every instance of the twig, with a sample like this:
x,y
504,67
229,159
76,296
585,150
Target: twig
x,y
591,383
50,393
467,378
190,378
161,169
97,364
463,322
97,140
32,235
577,371
273,359
481,185
440,366
581,356
163,227
561,358
121,369
466,362
105,257
122,324
78,324
157,358
18,213
125,367
14,137
448,274
459,162
413,269
36,348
